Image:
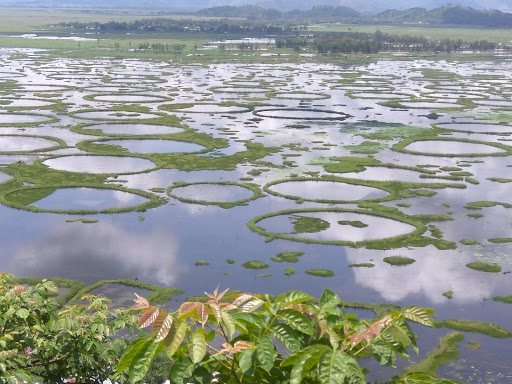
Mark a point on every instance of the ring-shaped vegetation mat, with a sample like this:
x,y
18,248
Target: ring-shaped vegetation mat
x,y
424,105
127,98
12,144
300,95
324,190
476,127
113,114
138,81
204,108
11,75
328,226
225,194
140,145
25,119
41,88
74,76
378,95
24,103
123,129
240,89
301,114
100,164
115,89
81,200
451,147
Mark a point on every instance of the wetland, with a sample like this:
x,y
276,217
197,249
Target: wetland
x,y
156,171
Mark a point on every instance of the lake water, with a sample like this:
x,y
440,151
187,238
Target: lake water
x,y
309,137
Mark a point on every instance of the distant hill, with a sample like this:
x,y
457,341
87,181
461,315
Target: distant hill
x,y
367,6
253,12
448,14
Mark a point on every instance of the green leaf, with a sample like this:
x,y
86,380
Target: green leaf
x,y
181,370
265,353
133,348
197,348
419,315
335,368
142,361
22,313
246,360
286,335
295,357
229,323
304,365
248,319
294,297
175,337
328,300
297,321
384,353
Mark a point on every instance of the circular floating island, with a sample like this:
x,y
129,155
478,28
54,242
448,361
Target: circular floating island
x,y
25,103
152,145
452,147
41,88
19,143
301,114
486,128
224,194
204,108
335,226
240,90
82,200
25,119
100,164
300,96
115,89
127,98
132,129
324,191
113,115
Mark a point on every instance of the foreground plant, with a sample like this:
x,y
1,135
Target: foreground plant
x,y
42,342
292,338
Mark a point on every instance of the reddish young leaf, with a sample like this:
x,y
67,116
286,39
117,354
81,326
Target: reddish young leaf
x,y
148,317
221,295
140,303
202,312
244,298
187,307
216,310
161,326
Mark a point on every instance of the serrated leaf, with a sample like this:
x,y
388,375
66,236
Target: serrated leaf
x,y
202,313
286,335
216,310
246,359
242,299
297,321
252,305
187,307
229,323
140,303
175,337
148,317
295,297
265,353
142,361
181,370
161,326
197,348
133,348
419,315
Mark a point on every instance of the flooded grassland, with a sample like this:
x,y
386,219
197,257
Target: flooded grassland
x,y
267,178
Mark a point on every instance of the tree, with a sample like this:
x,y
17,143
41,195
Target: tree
x,y
42,342
293,338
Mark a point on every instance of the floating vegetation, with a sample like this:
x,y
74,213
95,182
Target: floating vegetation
x,y
468,242
481,327
320,272
355,224
451,147
500,180
305,224
223,194
83,221
230,261
500,240
301,114
448,294
503,299
398,260
484,267
475,215
206,108
289,271
362,265
288,257
255,264
201,262
100,164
